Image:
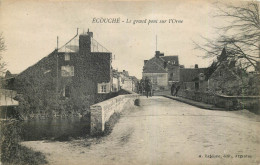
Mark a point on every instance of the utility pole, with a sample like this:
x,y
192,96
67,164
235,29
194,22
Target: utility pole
x,y
156,42
57,69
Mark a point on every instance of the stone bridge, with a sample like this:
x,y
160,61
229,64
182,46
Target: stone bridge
x,y
101,112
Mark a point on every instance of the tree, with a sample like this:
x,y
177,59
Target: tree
x,y
2,49
240,38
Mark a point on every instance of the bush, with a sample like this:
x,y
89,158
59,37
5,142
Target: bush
x,y
11,150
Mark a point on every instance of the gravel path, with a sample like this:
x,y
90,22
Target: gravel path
x,y
165,131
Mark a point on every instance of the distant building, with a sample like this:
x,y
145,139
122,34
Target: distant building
x,y
78,74
116,83
162,70
134,84
194,78
127,82
228,78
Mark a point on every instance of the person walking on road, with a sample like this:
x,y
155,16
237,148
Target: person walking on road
x,y
172,88
177,89
147,87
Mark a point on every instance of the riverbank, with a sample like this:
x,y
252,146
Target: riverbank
x,y
12,152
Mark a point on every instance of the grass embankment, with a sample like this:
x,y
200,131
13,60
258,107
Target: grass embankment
x,y
12,153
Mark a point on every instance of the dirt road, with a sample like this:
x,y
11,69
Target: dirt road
x,y
164,131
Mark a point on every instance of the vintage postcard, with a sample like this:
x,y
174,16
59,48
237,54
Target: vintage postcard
x,y
129,82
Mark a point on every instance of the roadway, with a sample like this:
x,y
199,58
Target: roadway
x,y
165,131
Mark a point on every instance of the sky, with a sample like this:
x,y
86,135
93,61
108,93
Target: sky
x,y
30,29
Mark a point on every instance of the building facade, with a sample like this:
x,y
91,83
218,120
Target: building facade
x,y
194,78
73,76
162,70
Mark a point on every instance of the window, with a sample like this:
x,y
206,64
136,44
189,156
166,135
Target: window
x,y
103,88
154,80
171,77
67,57
67,71
67,91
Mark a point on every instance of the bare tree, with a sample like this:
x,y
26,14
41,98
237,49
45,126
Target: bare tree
x,y
2,49
240,38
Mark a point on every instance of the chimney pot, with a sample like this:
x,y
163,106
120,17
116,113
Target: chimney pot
x,y
157,53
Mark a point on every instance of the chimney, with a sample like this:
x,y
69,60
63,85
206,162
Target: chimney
x,y
90,34
157,54
196,66
85,43
145,61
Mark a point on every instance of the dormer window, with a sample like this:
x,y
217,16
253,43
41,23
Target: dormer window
x,y
67,57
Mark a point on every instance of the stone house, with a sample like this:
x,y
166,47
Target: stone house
x,y
228,78
194,78
72,77
162,70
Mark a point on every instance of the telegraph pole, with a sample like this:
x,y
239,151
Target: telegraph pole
x,y
57,68
156,42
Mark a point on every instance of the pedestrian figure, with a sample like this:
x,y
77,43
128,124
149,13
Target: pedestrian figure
x,y
147,87
172,88
177,89
151,89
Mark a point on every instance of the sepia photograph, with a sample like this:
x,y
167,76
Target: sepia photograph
x,y
120,82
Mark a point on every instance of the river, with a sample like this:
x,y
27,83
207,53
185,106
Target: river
x,y
55,128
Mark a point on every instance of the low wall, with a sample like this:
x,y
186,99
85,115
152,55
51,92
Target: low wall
x,y
228,102
101,112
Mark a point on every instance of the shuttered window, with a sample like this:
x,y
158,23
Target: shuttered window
x,y
103,87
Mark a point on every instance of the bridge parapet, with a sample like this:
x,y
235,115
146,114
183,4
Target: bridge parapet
x,y
223,101
101,112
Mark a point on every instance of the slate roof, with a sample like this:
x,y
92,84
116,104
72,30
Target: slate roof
x,y
157,64
171,58
154,65
191,74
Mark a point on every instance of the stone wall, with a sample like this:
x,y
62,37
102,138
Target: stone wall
x,y
251,103
101,112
